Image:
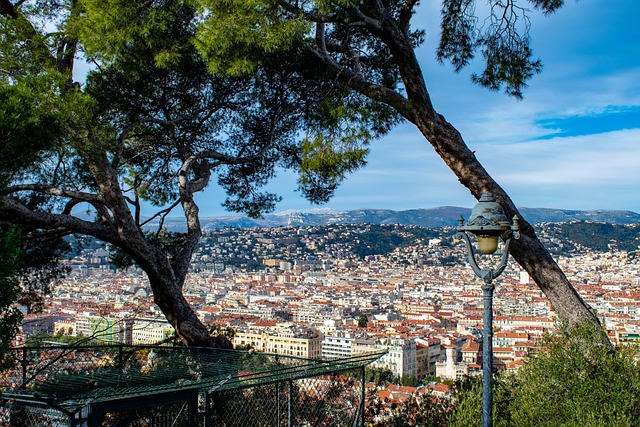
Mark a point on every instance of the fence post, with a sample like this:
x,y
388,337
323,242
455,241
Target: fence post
x,y
95,417
193,409
363,397
290,405
24,367
207,409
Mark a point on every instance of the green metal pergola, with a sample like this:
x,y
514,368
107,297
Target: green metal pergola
x,y
178,386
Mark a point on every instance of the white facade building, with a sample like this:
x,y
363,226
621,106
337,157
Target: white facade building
x,y
401,358
336,345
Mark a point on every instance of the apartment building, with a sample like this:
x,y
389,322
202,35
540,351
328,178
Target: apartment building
x,y
337,344
428,352
104,329
151,331
299,343
400,358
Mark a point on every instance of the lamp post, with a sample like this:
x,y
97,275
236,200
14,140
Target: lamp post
x,y
489,224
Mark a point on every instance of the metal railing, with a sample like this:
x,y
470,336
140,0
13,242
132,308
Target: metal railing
x,y
122,385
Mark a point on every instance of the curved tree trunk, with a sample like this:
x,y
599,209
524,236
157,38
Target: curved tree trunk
x,y
179,313
528,251
118,226
417,108
165,283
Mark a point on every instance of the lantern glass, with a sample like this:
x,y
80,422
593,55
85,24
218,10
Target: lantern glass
x,y
487,244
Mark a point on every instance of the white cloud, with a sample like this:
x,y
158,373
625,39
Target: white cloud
x,y
586,172
589,49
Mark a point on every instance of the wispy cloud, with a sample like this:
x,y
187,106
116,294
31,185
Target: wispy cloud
x,y
591,157
581,172
574,142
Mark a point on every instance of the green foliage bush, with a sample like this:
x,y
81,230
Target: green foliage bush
x,y
467,408
573,382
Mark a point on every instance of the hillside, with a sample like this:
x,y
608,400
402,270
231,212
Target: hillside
x,y
430,218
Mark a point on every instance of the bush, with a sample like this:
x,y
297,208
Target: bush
x,y
467,395
575,381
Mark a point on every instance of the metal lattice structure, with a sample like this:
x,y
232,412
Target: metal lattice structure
x,y
140,386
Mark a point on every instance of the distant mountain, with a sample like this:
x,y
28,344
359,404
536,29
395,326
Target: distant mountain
x,y
537,215
430,218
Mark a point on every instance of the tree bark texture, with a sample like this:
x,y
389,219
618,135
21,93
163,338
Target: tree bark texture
x,y
165,284
528,251
118,226
418,109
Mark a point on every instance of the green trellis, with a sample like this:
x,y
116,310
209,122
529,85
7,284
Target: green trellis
x,y
178,386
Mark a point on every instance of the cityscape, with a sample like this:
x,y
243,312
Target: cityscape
x,y
342,290
256,213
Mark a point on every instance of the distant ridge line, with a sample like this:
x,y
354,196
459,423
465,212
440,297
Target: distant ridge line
x,y
431,218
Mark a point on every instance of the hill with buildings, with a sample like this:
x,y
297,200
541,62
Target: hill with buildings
x,y
430,218
245,249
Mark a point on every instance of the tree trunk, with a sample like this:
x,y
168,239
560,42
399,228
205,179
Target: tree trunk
x,y
528,251
166,281
180,314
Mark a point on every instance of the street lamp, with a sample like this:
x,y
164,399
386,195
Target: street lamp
x,y
489,224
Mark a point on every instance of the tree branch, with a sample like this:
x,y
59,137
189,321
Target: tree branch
x,y
101,210
181,261
51,234
21,214
309,16
163,213
117,156
165,123
405,15
7,9
54,191
321,41
357,83
363,19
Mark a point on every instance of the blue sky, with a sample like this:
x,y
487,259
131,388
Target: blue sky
x,y
572,143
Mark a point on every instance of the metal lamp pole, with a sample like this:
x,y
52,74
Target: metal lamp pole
x,y
489,224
